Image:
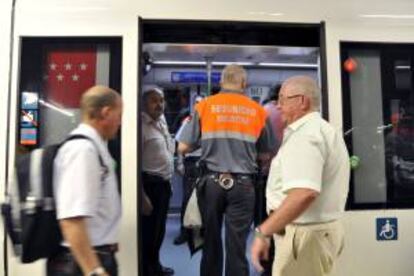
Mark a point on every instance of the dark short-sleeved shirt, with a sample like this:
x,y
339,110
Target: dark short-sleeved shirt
x,y
232,129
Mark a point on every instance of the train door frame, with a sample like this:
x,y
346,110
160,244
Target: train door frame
x,y
144,24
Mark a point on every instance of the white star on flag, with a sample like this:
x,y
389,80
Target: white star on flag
x,y
83,66
75,70
75,77
68,66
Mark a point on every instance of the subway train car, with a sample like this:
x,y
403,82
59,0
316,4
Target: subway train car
x,y
360,52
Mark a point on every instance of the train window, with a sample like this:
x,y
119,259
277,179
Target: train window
x,y
402,74
54,73
378,101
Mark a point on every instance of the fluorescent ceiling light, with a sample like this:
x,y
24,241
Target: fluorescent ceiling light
x,y
403,67
229,62
389,16
292,65
241,63
178,62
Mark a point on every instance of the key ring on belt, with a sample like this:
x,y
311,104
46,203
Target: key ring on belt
x,y
226,181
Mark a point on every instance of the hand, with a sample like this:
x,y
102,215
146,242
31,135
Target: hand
x,y
146,205
259,251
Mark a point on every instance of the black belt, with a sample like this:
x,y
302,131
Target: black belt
x,y
150,176
234,175
112,248
226,180
107,248
192,158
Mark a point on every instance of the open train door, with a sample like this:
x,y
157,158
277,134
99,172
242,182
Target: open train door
x,y
177,51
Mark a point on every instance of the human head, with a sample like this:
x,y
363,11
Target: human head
x,y
184,98
198,99
154,104
298,96
233,77
101,107
273,94
214,90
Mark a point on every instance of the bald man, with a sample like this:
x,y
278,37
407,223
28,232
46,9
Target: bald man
x,y
306,189
86,190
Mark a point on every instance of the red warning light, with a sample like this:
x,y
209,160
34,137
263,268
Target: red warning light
x,y
350,65
395,118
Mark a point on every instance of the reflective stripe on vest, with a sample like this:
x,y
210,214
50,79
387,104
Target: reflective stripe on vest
x,y
230,115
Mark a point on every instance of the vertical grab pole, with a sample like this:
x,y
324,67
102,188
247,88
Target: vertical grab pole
x,y
209,65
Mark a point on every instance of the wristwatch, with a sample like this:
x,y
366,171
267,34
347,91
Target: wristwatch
x,y
259,234
97,271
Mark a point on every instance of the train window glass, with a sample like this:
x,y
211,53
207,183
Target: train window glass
x,y
53,76
378,101
402,74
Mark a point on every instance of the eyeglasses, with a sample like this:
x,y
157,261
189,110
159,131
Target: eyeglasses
x,y
282,100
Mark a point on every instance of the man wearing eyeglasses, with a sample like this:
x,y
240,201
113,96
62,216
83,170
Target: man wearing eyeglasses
x,y
306,190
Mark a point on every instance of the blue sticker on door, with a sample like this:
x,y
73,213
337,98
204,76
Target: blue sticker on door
x,y
387,229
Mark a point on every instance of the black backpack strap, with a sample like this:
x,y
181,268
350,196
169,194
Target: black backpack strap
x,y
47,164
105,169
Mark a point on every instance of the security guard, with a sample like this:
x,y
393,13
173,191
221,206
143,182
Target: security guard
x,y
233,130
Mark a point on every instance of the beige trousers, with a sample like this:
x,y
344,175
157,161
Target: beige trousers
x,y
308,250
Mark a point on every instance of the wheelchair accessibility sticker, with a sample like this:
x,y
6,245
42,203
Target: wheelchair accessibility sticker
x,y
387,229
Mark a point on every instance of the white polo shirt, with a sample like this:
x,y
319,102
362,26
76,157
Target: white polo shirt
x,y
157,147
313,155
79,191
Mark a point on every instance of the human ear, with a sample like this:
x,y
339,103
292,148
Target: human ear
x,y
105,111
244,84
306,103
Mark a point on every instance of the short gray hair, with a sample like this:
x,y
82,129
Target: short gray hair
x,y
233,74
304,85
151,90
96,98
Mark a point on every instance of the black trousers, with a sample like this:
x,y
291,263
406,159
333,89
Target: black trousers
x,y
236,206
64,263
191,172
153,226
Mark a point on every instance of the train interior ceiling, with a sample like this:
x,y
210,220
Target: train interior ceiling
x,y
187,70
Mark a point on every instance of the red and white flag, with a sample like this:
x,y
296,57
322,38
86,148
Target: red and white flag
x,y
70,71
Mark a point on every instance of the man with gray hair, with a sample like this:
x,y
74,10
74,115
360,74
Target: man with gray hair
x,y
306,190
233,131
88,204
